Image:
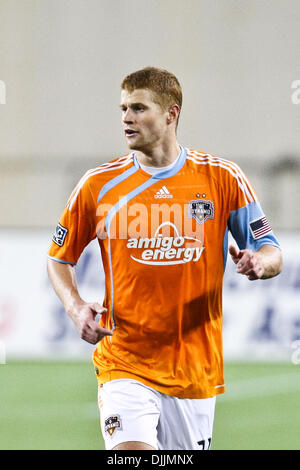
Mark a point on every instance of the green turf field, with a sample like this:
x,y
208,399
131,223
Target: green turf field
x,y
53,405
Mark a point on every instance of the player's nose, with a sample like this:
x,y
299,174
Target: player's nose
x,y
127,116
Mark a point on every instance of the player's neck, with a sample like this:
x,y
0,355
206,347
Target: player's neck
x,y
159,156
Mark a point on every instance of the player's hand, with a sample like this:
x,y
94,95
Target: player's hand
x,y
83,316
248,263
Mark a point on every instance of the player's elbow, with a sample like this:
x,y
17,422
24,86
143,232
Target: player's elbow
x,y
275,264
279,262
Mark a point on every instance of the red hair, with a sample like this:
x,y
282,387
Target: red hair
x,y
164,85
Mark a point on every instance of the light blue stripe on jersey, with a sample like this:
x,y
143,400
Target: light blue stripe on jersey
x,y
113,211
115,181
163,174
152,180
107,187
122,202
239,226
61,260
225,247
112,286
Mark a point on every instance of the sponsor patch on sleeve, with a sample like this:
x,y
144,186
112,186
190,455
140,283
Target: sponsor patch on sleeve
x,y
260,227
60,235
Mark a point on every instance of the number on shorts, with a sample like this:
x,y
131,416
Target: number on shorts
x,y
202,444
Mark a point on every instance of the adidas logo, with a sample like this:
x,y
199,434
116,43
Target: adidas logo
x,y
163,192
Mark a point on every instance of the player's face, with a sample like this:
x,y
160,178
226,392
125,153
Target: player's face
x,y
144,121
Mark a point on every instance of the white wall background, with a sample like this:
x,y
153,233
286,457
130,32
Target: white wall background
x,y
63,60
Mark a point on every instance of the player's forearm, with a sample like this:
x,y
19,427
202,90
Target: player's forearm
x,y
271,259
63,279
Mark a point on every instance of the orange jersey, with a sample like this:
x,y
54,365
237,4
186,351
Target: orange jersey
x,y
163,241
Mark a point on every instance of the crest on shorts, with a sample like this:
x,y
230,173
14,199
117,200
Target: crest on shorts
x,y
112,423
60,235
201,210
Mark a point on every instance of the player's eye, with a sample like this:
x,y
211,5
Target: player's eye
x,y
138,108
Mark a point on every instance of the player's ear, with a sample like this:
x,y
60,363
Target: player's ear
x,y
173,113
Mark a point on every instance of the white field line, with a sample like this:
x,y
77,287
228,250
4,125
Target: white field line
x,y
261,386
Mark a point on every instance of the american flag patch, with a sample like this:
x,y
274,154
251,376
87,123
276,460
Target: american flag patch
x,y
260,227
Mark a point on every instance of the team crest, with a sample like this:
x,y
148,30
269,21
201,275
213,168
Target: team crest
x,y
201,210
112,423
60,235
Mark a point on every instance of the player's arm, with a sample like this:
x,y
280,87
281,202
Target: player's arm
x,y
64,282
264,263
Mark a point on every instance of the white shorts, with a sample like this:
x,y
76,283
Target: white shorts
x,y
132,411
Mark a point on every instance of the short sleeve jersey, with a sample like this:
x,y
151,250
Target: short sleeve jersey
x,y
164,244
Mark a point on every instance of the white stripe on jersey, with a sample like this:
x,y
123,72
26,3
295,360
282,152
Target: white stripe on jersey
x,y
120,163
207,162
119,160
241,176
233,169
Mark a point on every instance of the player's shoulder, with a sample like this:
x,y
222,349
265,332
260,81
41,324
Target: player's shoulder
x,y
106,171
109,169
96,177
216,166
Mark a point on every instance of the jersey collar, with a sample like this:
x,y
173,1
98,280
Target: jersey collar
x,y
166,173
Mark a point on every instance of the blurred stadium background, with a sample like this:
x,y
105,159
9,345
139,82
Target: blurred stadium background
x,y
61,64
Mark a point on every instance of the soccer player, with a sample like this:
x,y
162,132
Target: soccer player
x,y
161,215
